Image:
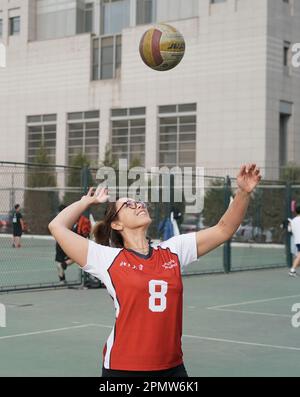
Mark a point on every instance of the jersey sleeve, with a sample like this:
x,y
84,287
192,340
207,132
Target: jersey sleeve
x,y
99,259
184,246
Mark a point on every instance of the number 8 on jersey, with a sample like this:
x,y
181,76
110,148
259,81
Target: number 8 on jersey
x,y
157,299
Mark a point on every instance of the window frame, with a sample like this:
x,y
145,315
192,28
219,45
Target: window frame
x,y
178,115
153,13
12,21
43,125
129,118
98,66
84,120
102,17
88,7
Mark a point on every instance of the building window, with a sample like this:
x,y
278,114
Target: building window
x,y
1,27
128,135
14,24
83,135
41,134
286,58
284,118
283,136
217,1
88,17
175,10
115,16
106,57
177,135
286,53
145,11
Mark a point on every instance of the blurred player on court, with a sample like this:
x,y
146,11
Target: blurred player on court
x,y
143,279
295,228
18,226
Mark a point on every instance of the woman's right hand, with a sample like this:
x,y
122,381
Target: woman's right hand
x,y
100,196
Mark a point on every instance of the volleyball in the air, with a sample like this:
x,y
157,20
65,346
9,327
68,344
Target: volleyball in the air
x,y
162,47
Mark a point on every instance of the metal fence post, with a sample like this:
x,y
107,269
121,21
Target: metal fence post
x,y
288,214
227,245
85,172
85,179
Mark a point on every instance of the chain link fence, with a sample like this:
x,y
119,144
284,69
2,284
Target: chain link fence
x,y
262,240
38,189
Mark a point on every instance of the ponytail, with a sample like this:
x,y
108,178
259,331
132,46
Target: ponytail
x,y
103,232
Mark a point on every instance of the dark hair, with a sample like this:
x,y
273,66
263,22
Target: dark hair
x,y
298,209
17,206
103,232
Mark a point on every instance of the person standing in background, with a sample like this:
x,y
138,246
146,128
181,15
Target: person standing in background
x,y
295,228
18,226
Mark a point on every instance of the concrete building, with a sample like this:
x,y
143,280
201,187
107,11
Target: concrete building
x,y
75,81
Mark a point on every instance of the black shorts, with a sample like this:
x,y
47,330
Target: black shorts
x,y
17,232
179,372
60,255
298,247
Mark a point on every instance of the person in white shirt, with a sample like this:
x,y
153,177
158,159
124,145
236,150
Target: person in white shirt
x,y
295,226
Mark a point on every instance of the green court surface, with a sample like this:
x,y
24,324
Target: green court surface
x,y
234,325
31,265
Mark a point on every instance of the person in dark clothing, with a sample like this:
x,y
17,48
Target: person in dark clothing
x,y
18,226
81,227
61,258
62,262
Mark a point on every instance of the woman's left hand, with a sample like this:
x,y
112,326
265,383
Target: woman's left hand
x,y
248,177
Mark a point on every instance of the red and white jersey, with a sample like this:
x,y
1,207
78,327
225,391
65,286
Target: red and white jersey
x,y
147,293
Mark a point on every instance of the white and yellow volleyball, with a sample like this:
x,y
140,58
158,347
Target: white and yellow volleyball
x,y
162,47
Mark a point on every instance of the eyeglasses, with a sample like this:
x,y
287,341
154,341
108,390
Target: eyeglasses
x,y
131,204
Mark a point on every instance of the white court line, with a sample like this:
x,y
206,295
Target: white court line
x,y
228,341
254,245
249,302
27,271
243,343
49,331
46,331
256,313
30,237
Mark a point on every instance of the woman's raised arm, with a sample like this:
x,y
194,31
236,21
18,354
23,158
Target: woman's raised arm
x,y
209,239
75,246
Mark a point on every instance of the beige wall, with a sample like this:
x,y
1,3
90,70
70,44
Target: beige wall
x,y
229,69
282,85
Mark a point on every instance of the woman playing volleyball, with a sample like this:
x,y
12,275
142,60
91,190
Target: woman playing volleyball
x,y
144,280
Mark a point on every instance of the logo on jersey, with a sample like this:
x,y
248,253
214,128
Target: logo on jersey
x,y
170,265
133,267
